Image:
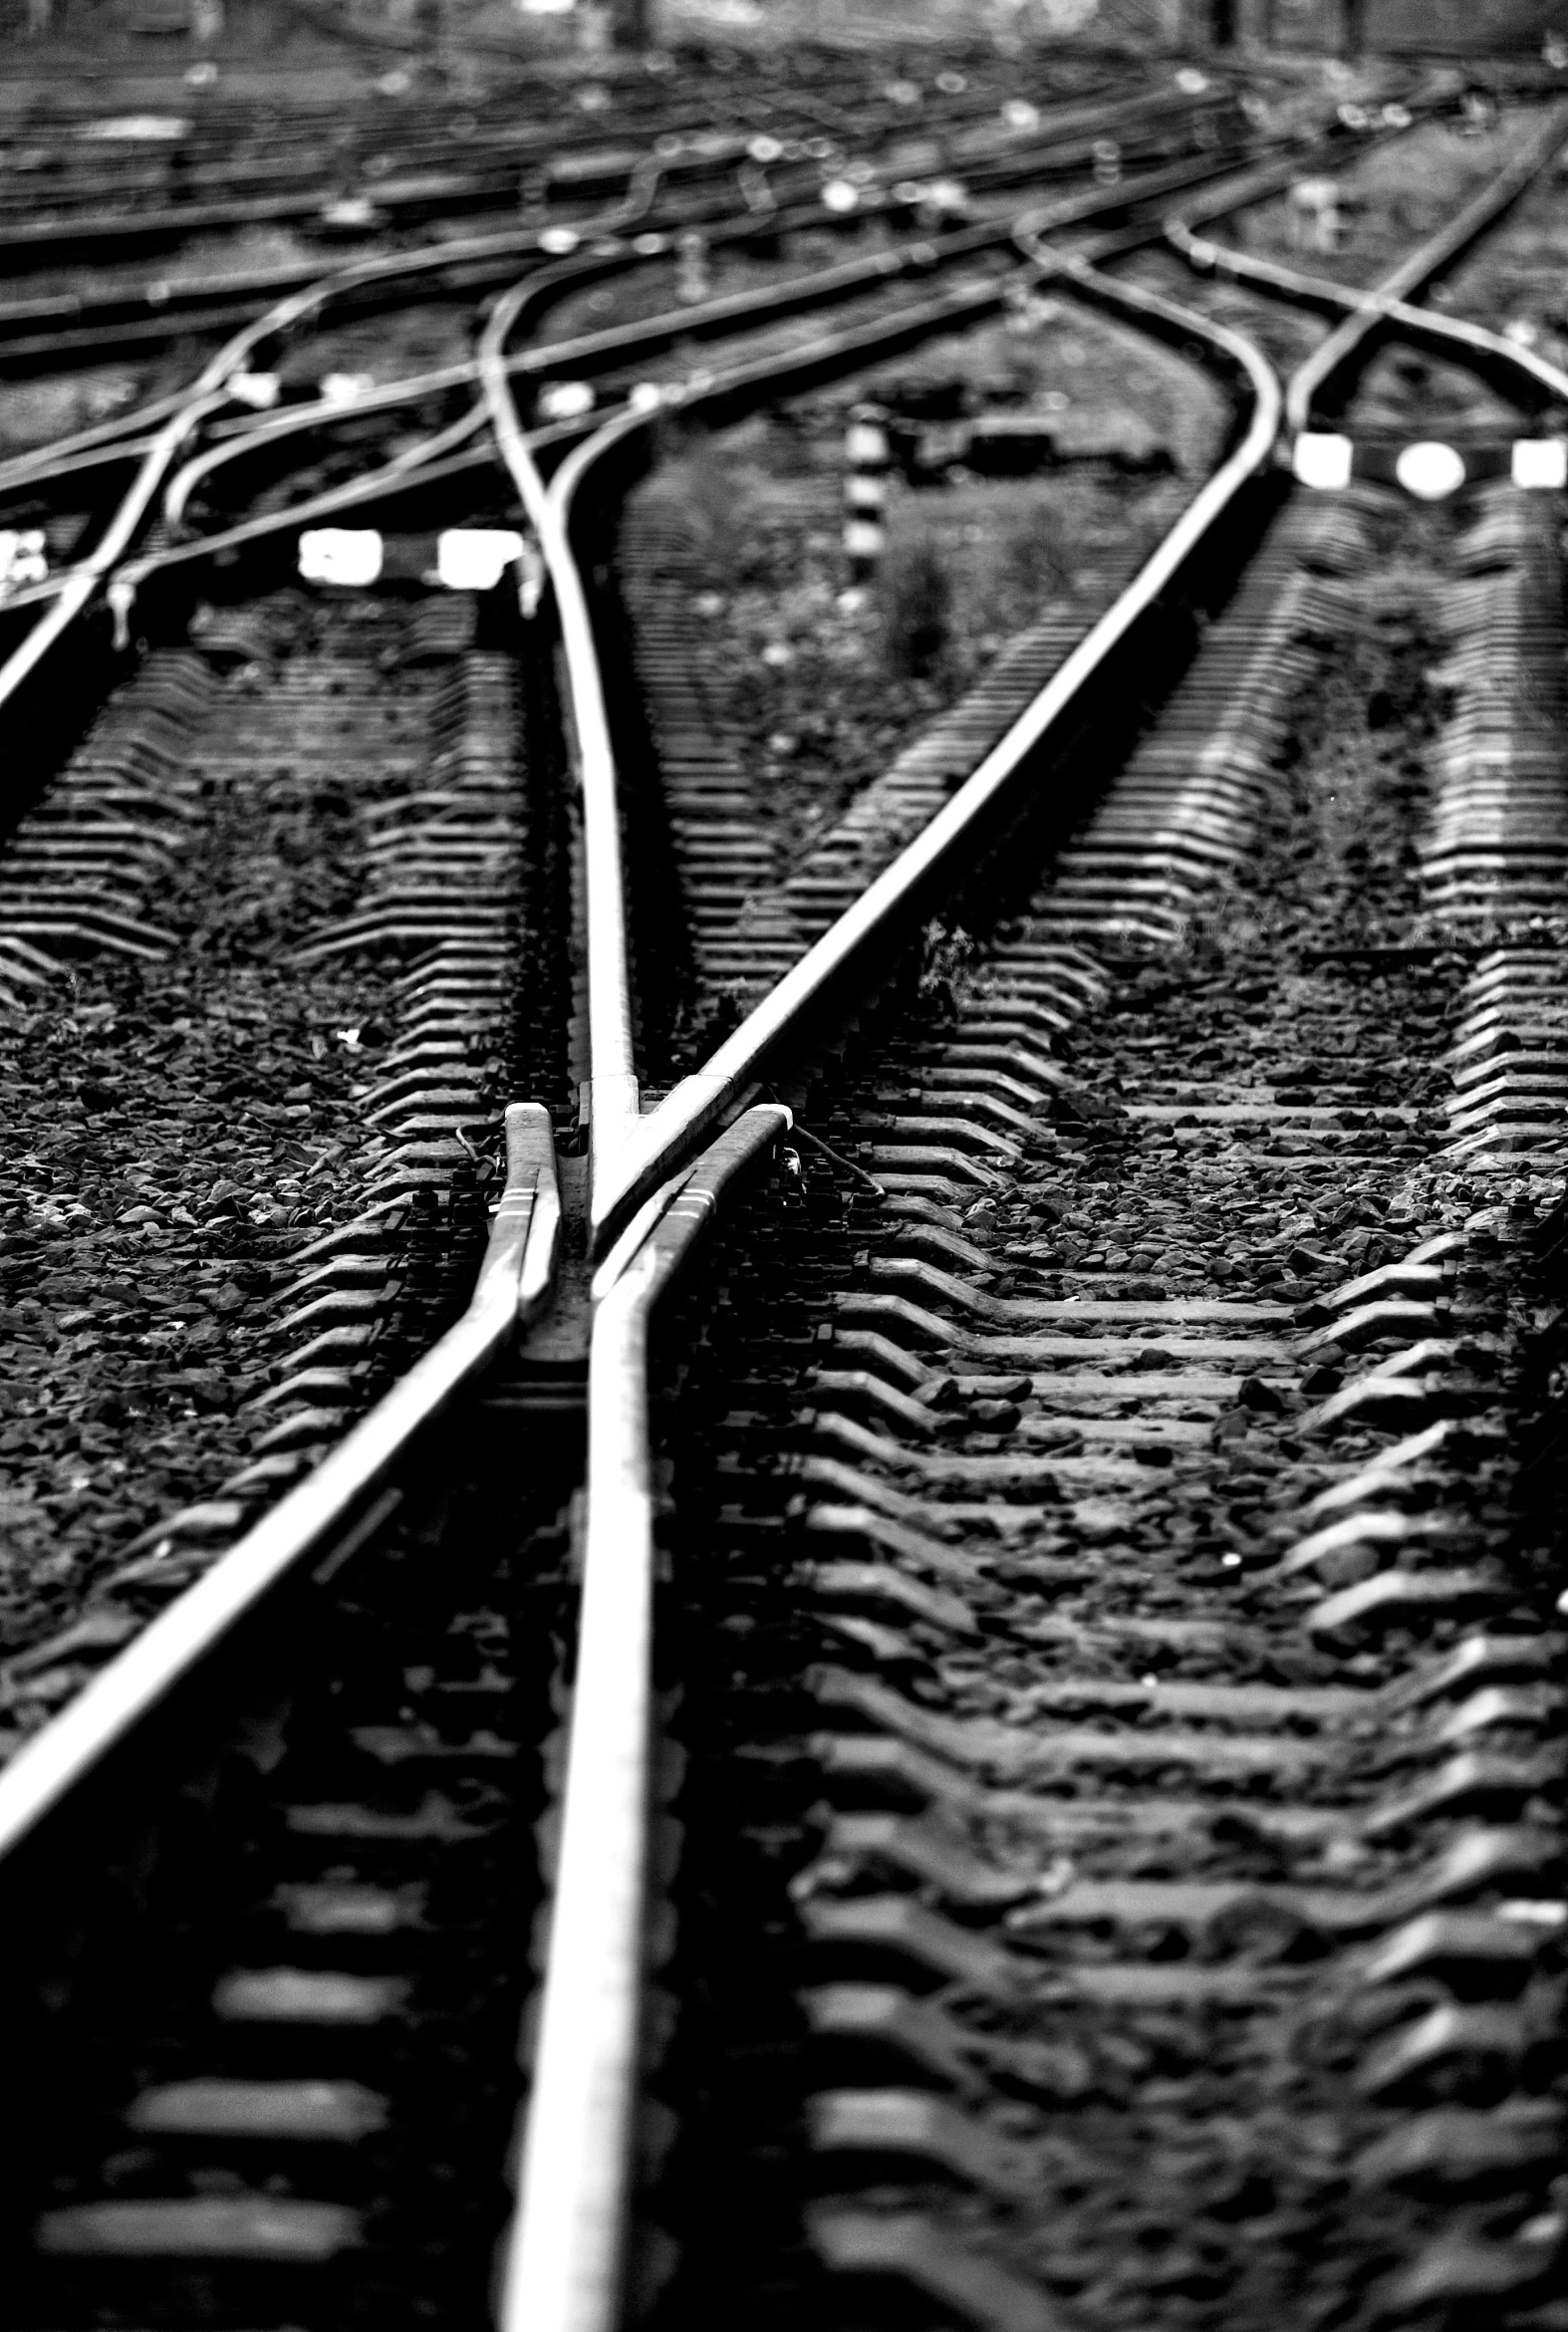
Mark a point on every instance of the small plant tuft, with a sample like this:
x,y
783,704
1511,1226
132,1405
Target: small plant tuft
x,y
916,607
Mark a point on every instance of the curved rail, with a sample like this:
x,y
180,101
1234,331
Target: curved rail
x,y
663,1140
72,591
514,1284
591,351
612,1089
564,2251
628,1160
563,2257
650,1205
1339,350
1447,334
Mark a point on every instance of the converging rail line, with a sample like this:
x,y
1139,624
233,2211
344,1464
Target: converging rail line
x,y
1058,1810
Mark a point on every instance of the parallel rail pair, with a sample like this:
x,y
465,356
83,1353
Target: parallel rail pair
x,y
652,1189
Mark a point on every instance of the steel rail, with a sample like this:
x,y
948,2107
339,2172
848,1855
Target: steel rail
x,y
612,1086
590,351
1338,352
564,2253
376,485
562,2256
513,1285
619,1176
1447,334
418,469
177,304
614,1112
283,316
669,1132
657,1143
440,193
72,590
397,477
78,587
1207,507
586,352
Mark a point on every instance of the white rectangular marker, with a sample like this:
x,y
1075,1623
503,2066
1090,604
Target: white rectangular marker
x,y
1541,461
1322,460
341,554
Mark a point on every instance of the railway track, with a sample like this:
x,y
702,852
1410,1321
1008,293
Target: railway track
x,y
1019,1704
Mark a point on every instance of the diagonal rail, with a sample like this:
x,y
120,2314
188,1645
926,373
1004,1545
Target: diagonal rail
x,y
562,2260
514,1284
563,2254
1349,338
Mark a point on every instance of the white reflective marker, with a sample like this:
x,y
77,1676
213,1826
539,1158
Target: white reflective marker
x,y
839,195
349,211
22,557
559,240
258,390
475,558
1322,460
346,388
565,401
1541,461
137,126
1430,470
341,554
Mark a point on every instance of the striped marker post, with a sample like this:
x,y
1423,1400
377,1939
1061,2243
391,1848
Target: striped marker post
x,y
692,278
866,490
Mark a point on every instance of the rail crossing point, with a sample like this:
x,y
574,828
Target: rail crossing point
x,y
1323,460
